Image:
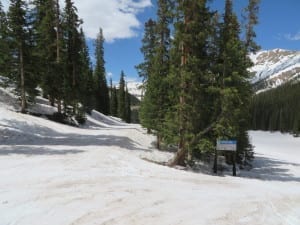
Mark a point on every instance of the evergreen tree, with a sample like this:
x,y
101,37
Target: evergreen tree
x,y
111,96
102,95
145,70
5,58
156,69
114,102
212,88
148,50
86,81
127,106
235,88
73,46
192,55
58,44
21,48
121,97
46,49
277,109
252,20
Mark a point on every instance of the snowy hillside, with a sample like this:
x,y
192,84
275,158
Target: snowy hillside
x,y
53,174
275,67
135,88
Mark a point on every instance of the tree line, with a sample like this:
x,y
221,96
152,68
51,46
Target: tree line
x,y
43,47
196,77
277,109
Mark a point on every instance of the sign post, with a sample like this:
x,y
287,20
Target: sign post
x,y
226,145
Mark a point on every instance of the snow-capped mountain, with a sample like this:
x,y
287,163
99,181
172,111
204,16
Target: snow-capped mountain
x,y
135,88
271,69
274,67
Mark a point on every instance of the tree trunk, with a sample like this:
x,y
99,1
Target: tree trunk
x,y
158,141
23,95
57,32
52,100
179,158
59,105
58,49
182,150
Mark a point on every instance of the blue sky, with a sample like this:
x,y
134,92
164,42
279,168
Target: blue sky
x,y
279,27
124,53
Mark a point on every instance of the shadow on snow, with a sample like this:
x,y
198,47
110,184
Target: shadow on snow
x,y
269,169
19,135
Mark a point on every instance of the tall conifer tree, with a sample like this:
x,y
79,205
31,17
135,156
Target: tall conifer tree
x,y
72,44
192,47
87,86
127,106
145,70
102,95
46,49
252,20
114,102
121,97
4,43
148,50
235,89
156,68
21,47
5,57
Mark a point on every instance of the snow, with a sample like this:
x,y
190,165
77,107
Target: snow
x,y
56,174
135,88
271,64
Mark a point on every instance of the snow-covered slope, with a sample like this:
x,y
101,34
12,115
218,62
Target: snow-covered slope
x,y
51,173
135,88
275,67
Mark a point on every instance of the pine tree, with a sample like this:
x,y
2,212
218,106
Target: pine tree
x,y
58,44
5,58
192,54
72,42
102,95
127,106
156,69
114,102
145,70
235,89
121,97
252,20
148,50
87,87
277,109
46,49
21,47
111,96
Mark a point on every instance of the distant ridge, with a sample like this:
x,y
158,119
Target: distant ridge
x,y
273,68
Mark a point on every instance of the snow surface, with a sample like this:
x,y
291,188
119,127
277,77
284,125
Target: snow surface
x,y
53,174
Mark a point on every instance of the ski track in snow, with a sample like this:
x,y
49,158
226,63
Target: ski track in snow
x,y
56,174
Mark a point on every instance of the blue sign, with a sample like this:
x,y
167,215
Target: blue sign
x,y
226,145
227,142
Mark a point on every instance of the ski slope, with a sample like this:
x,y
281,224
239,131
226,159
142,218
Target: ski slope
x,y
53,174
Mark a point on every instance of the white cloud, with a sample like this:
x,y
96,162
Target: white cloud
x,y
117,18
292,37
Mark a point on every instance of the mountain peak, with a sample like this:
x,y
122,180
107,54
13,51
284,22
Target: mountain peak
x,y
274,67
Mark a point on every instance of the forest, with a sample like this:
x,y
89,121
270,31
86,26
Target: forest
x,y
277,109
196,78
43,51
